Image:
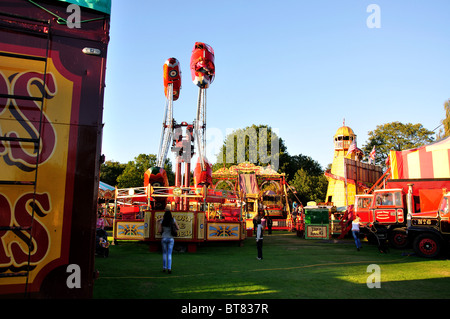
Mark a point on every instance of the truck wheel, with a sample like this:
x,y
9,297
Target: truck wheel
x,y
398,239
427,245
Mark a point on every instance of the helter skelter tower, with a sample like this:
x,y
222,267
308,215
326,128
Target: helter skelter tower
x,y
338,191
349,175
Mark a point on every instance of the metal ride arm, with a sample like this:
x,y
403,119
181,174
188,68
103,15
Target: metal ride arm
x,y
200,126
167,128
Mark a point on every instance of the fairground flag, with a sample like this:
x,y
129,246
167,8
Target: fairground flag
x,y
372,156
352,148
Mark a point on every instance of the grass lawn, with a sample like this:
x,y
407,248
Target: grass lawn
x,y
292,268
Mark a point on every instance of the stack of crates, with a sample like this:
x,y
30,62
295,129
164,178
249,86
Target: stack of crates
x,y
317,221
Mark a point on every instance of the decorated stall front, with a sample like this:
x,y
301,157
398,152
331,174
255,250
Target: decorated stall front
x,y
258,187
211,215
105,205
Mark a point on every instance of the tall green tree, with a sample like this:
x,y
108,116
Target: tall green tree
x,y
293,163
309,187
257,144
110,171
396,136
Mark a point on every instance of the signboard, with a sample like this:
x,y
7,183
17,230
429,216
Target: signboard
x,y
20,118
223,231
336,228
317,232
51,108
130,230
185,221
385,216
431,222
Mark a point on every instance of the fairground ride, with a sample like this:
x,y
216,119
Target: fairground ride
x,y
202,213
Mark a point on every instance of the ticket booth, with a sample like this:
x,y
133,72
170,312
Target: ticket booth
x,y
317,221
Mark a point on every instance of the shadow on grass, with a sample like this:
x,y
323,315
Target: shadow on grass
x,y
292,268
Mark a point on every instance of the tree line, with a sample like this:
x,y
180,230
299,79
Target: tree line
x,y
304,174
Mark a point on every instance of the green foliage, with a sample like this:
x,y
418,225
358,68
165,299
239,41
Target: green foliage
x,y
301,171
445,122
309,187
132,173
255,144
292,164
396,136
110,171
258,144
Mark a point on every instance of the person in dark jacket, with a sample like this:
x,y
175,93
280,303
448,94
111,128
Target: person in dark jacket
x,y
259,234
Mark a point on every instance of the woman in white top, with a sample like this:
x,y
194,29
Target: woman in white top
x,y
355,232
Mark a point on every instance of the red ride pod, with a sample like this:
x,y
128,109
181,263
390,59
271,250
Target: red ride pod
x,y
156,177
202,65
172,75
203,177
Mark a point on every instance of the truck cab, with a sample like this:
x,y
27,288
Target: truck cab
x,y
430,230
388,206
363,202
382,214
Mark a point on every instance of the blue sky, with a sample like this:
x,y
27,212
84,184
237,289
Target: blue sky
x,y
298,66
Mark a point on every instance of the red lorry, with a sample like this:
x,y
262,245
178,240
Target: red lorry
x,y
384,212
52,79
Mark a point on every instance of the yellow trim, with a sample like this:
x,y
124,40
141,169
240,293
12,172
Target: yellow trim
x,y
394,168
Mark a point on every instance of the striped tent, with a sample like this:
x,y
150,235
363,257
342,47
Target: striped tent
x,y
428,161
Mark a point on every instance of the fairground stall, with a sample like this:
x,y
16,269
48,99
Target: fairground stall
x,y
105,206
319,221
258,187
209,215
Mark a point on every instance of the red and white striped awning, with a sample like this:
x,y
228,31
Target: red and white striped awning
x,y
428,161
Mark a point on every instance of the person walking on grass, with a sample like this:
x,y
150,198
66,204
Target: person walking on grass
x,y
355,232
259,234
165,227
